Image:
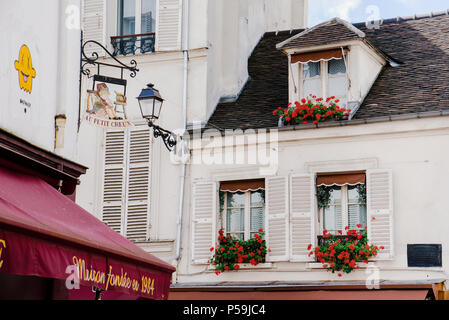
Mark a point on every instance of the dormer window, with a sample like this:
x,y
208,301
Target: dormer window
x,y
323,74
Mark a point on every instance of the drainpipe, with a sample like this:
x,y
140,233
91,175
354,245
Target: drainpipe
x,y
184,123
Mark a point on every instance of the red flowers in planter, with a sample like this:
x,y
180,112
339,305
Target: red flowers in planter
x,y
342,255
231,252
314,110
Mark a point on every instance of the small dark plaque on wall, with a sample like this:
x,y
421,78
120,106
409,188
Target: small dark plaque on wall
x,y
424,255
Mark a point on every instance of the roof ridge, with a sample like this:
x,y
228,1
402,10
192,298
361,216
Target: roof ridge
x,y
408,18
334,20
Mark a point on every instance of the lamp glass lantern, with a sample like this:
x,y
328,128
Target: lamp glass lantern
x,y
150,102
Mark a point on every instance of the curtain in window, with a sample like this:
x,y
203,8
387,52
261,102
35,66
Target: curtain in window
x,y
148,21
356,207
333,212
337,80
235,215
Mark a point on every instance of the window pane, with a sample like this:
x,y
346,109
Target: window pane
x,y
257,219
313,87
148,16
357,215
311,69
235,215
332,214
356,207
354,195
236,200
258,198
332,219
335,195
336,66
127,17
235,221
337,86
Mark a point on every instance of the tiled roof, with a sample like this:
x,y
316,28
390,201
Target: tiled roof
x,y
266,89
335,30
419,84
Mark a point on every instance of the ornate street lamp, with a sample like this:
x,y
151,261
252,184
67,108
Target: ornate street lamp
x,y
150,103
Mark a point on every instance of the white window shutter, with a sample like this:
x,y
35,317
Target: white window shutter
x,y
113,179
94,25
203,221
169,25
379,189
302,208
138,185
277,218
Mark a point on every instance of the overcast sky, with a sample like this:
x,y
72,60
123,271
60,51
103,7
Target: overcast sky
x,y
361,10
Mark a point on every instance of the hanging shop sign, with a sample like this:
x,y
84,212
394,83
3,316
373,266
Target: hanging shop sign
x,y
106,102
105,108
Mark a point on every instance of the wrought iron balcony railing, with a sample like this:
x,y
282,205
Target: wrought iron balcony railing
x,y
133,44
323,241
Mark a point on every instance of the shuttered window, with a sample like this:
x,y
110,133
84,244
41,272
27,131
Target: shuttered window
x,y
144,17
126,184
94,24
302,204
168,26
277,218
291,215
379,189
203,220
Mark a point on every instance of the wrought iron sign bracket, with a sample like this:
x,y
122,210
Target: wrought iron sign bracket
x,y
87,61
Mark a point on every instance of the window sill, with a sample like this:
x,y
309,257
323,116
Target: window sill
x,y
319,265
248,266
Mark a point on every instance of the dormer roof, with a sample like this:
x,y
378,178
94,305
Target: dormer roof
x,y
419,84
332,31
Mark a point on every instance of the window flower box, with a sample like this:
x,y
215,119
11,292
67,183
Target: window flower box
x,y
343,253
312,110
231,253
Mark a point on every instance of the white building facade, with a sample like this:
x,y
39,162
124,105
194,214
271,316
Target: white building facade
x,y
199,63
38,84
197,56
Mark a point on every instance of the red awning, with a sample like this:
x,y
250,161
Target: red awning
x,y
43,233
318,56
242,185
341,179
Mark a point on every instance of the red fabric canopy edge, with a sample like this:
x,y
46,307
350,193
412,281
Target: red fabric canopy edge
x,y
30,203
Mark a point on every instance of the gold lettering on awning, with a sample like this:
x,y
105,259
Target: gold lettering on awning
x,y
2,246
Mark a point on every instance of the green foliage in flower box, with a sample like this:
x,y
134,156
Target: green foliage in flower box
x,y
231,252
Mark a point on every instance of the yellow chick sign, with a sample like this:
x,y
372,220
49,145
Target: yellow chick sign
x,y
24,66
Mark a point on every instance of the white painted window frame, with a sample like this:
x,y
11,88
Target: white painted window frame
x,y
344,209
324,79
247,215
138,17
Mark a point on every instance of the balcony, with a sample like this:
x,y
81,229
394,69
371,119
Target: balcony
x,y
133,44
